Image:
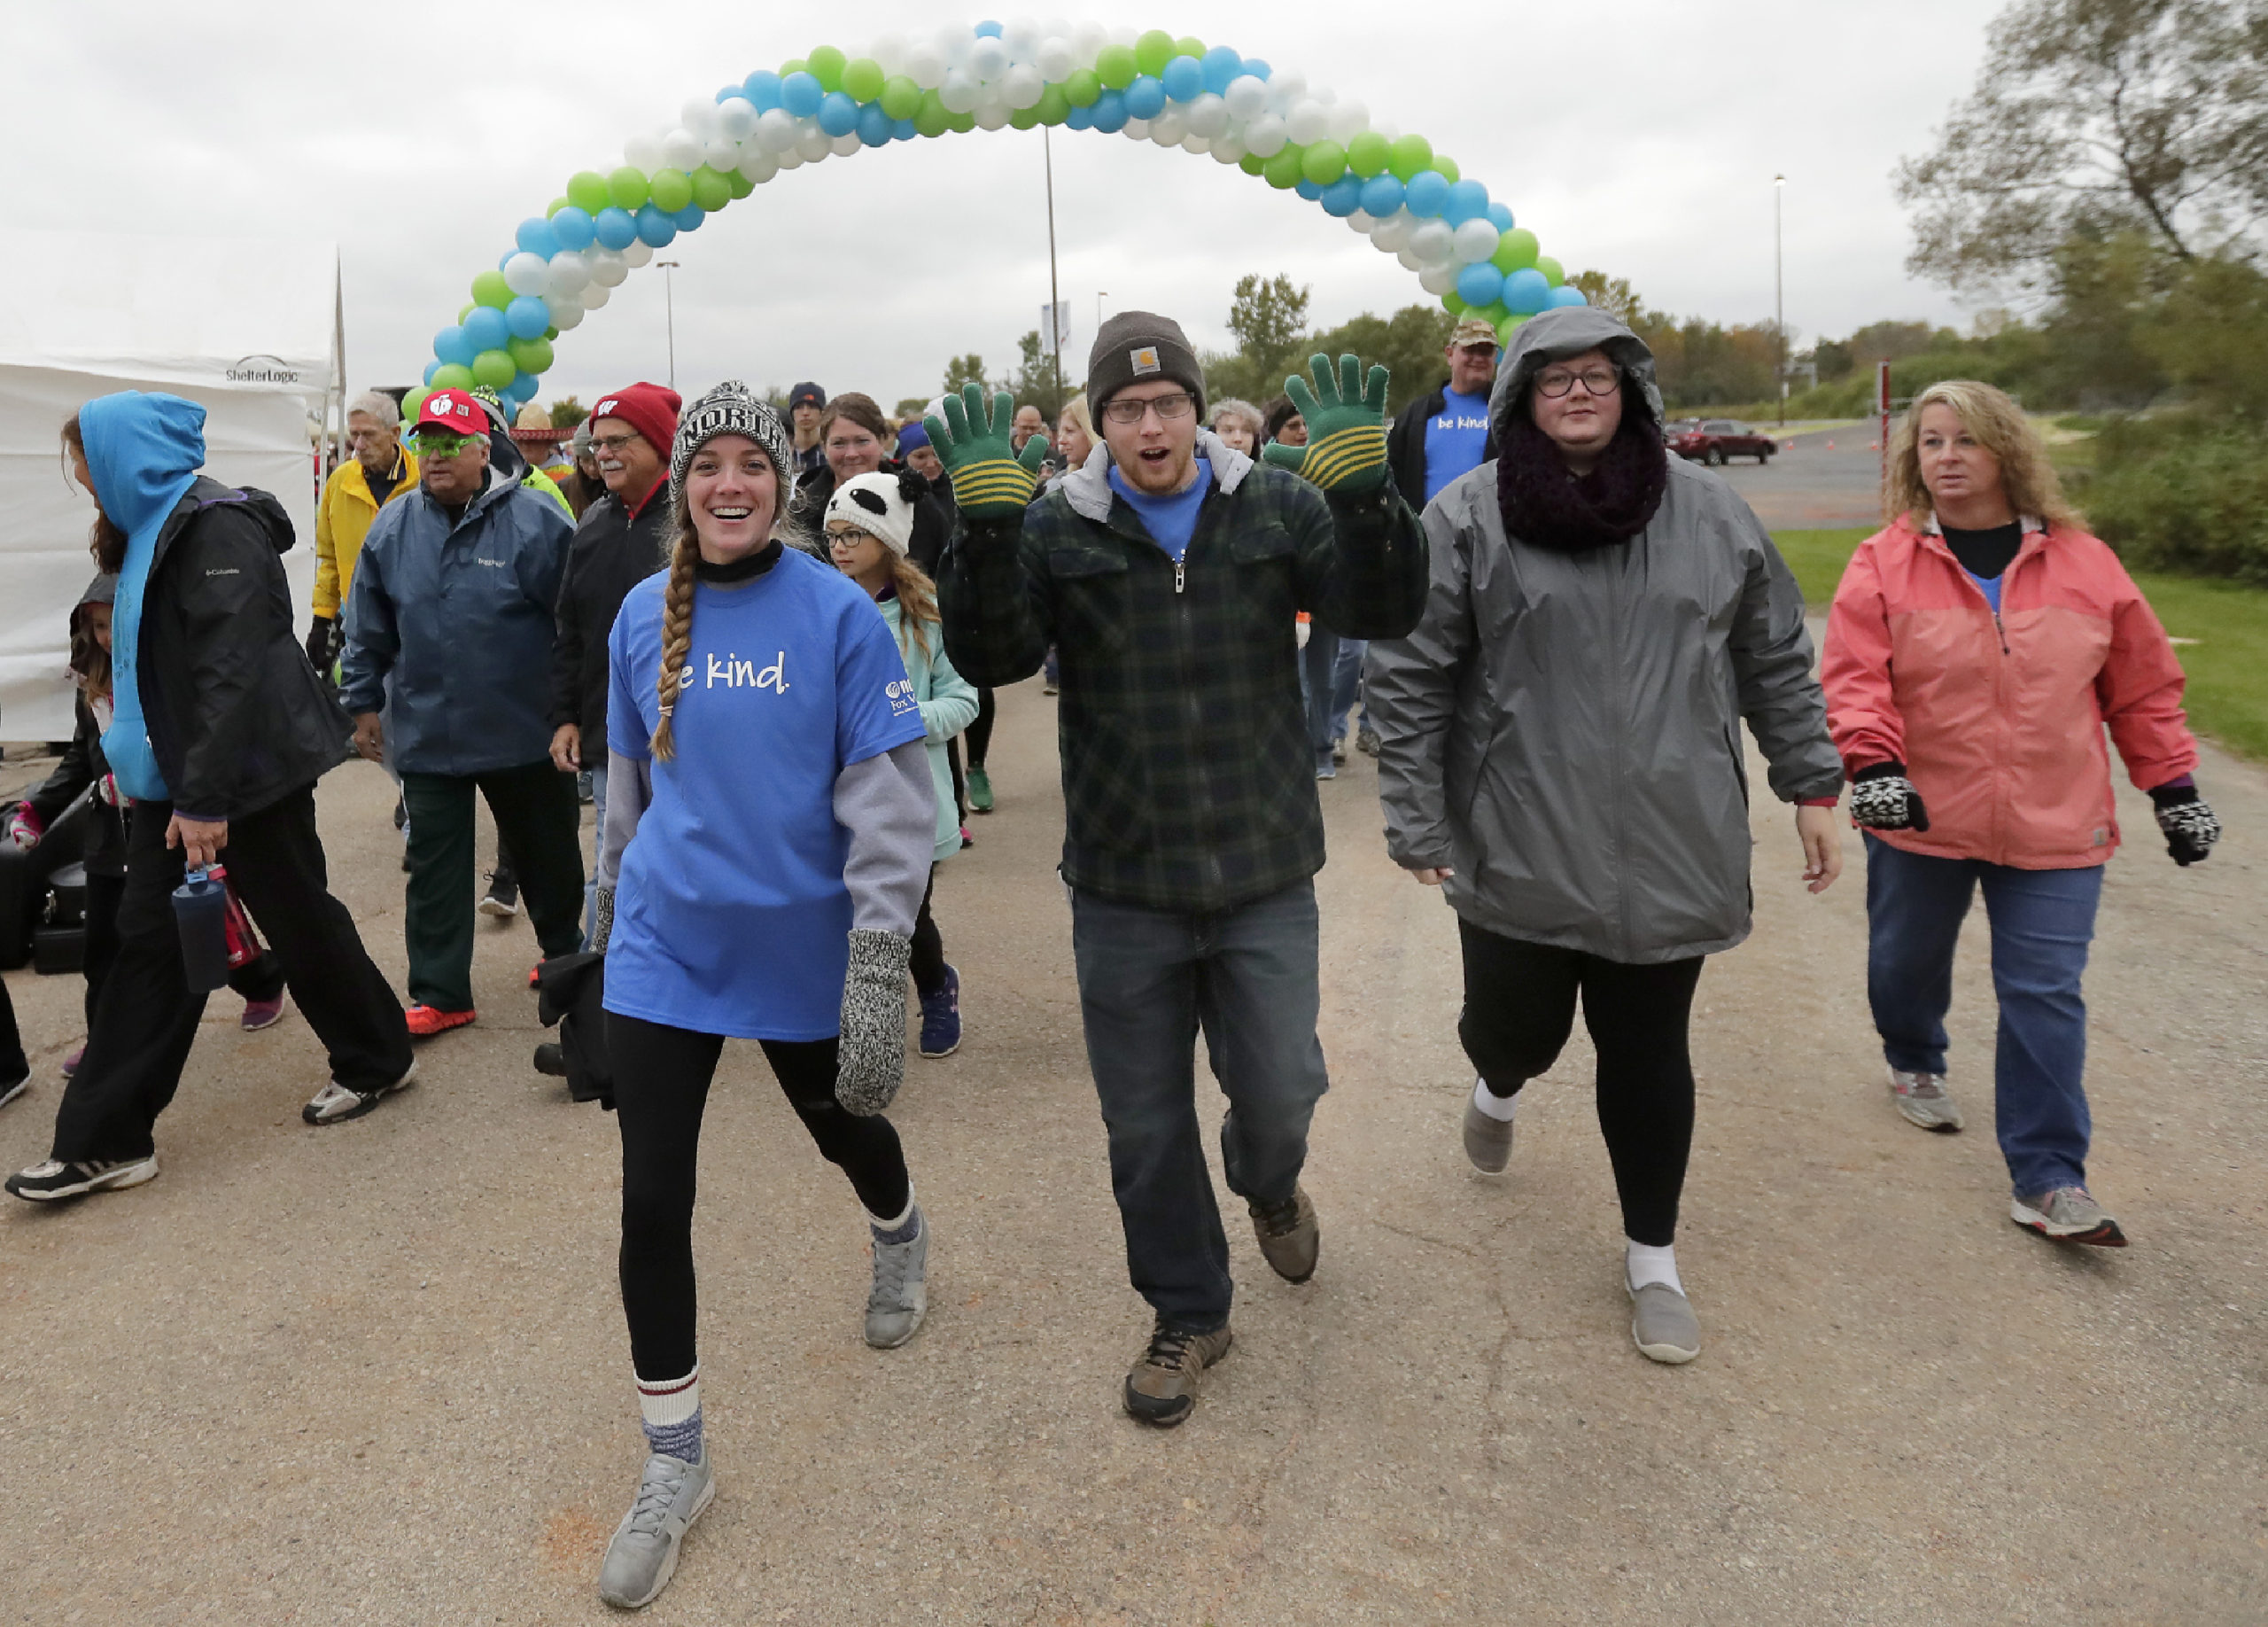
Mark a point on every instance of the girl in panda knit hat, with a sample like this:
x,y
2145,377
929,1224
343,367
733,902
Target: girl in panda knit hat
x,y
870,532
769,828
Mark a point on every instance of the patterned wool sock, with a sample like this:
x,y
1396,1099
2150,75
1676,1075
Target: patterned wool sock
x,y
904,1229
671,1411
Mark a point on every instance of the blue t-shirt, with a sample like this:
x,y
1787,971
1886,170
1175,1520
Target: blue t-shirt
x,y
1170,521
1989,585
1456,437
730,913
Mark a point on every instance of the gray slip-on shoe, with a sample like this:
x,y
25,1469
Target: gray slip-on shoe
x,y
1922,1098
900,1298
1662,1324
1487,1142
643,1557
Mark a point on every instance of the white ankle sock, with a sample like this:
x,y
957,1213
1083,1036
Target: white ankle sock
x,y
1646,1264
1498,1108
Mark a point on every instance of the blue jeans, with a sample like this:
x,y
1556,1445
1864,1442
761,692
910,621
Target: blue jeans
x,y
2042,922
1149,979
1330,667
598,846
1346,682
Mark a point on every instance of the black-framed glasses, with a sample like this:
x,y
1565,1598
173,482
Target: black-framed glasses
x,y
610,443
1557,381
1174,404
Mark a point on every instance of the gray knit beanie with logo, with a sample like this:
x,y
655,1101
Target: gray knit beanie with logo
x,y
1135,348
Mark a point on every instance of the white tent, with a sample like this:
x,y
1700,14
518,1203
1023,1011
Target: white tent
x,y
249,329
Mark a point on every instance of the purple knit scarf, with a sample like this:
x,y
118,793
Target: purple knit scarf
x,y
1544,504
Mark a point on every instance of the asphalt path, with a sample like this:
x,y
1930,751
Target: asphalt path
x,y
1822,478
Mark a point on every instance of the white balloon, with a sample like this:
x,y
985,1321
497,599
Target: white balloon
x,y
1022,86
642,153
1388,133
926,65
736,118
1168,128
758,164
565,311
955,41
1474,241
595,296
792,158
1020,35
607,267
1137,129
1409,259
1286,89
682,150
638,254
568,274
1087,41
1393,231
988,59
1433,242
1208,115
718,154
1228,149
1196,144
846,144
1056,58
1438,279
1125,34
814,144
1247,97
991,114
699,116
890,53
525,273
1362,221
1265,136
1306,122
777,130
1349,120
960,92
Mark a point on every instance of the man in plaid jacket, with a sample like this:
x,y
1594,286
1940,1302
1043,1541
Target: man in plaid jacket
x,y
1168,572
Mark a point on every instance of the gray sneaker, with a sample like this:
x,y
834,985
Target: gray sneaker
x,y
335,1103
1487,1142
640,1561
900,1296
1924,1100
2067,1215
1662,1324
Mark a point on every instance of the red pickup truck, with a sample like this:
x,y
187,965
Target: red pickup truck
x,y
1712,440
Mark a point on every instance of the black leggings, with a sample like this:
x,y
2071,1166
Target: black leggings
x,y
1520,1007
927,963
660,1083
979,733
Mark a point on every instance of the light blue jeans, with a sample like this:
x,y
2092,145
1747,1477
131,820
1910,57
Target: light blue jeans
x,y
598,845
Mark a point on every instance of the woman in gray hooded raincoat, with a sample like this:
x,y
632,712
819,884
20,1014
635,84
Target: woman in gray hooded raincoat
x,y
1559,749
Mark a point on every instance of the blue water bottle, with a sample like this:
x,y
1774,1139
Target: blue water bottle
x,y
201,915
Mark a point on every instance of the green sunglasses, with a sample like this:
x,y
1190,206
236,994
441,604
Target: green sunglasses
x,y
425,443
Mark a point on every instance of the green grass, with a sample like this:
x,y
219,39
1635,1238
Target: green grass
x,y
2227,666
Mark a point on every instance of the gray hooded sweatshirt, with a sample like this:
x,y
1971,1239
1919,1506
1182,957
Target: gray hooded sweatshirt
x,y
1562,729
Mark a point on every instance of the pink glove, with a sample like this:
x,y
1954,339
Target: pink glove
x,y
23,829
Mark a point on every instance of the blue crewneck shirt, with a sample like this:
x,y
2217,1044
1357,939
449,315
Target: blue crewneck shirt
x,y
1170,521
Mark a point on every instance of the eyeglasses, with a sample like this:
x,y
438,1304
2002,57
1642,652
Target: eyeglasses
x,y
1178,404
610,443
1557,381
425,443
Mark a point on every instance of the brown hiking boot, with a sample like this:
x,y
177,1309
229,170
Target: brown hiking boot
x,y
1163,1388
1288,1235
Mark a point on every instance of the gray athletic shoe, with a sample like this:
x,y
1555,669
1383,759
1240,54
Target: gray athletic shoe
x,y
640,1561
1924,1100
900,1296
2067,1215
335,1103
1662,1324
1487,1142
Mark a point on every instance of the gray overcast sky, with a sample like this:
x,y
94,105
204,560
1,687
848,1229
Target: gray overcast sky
x,y
1644,145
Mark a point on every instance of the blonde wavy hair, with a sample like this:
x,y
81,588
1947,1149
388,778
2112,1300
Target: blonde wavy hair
x,y
917,594
1999,426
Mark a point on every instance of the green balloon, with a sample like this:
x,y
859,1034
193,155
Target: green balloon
x,y
1251,163
415,399
490,288
1189,46
469,309
1507,328
1054,106
553,208
1409,155
552,333
1082,88
626,189
863,79
530,355
1116,64
1023,118
1493,313
494,368
931,119
1515,249
1453,302
1282,171
793,65
1368,154
1324,162
1153,50
711,190
900,96
587,191
964,122
670,189
741,184
825,65
1553,272
1447,165
457,375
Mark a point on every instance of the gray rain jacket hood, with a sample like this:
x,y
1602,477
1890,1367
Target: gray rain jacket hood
x,y
1563,730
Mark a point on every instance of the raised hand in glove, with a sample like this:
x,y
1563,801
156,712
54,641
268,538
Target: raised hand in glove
x,y
2189,824
1346,420
319,636
1882,798
991,481
871,1063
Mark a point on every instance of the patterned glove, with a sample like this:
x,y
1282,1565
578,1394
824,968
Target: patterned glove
x,y
991,480
871,1064
2189,824
1882,798
602,918
22,830
1345,449
319,633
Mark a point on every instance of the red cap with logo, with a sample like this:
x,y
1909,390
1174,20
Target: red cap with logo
x,y
455,411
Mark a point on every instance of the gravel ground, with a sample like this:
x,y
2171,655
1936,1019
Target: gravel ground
x,y
376,1373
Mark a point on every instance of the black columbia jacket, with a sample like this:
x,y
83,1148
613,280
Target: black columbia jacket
x,y
612,552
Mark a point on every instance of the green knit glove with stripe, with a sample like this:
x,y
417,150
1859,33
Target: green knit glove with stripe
x,y
990,482
1345,449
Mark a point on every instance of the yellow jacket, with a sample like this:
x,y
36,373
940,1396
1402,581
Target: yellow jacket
x,y
343,519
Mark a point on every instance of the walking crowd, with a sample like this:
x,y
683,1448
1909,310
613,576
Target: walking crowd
x,y
771,643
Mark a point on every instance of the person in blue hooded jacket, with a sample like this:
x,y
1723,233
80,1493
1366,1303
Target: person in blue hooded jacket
x,y
219,731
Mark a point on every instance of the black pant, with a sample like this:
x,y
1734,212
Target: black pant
x,y
960,785
661,1085
1520,1007
538,818
146,1018
979,733
928,962
13,1064
259,979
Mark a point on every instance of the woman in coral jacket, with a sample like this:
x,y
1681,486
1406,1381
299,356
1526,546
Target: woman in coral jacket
x,y
1976,649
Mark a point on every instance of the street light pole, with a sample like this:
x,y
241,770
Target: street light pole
x,y
1779,302
1055,296
669,306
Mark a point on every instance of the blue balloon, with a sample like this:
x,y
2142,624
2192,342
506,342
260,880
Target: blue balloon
x,y
1220,64
1079,119
1500,216
800,94
523,388
450,345
762,88
486,328
572,226
615,227
903,130
727,93
1382,195
431,368
1145,97
991,29
1526,290
505,259
1479,283
874,126
1468,200
687,219
1258,69
527,317
1343,196
536,237
1184,79
1309,190
655,229
1427,191
1564,295
838,113
1109,112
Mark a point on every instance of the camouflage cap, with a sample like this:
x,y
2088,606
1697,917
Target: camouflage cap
x,y
1473,330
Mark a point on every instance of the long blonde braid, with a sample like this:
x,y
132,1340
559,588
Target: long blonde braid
x,y
677,632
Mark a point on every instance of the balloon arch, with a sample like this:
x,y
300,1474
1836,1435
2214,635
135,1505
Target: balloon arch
x,y
1410,200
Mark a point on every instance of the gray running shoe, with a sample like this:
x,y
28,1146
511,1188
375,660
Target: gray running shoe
x,y
1290,1238
2067,1215
1924,1100
1487,1142
54,1178
335,1103
640,1561
1662,1324
900,1298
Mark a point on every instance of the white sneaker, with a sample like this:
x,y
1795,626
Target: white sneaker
x,y
1922,1098
643,1557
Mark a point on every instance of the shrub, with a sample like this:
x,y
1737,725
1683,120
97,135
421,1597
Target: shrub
x,y
2184,492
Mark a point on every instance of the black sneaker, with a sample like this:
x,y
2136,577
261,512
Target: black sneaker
x,y
45,1182
551,1058
504,900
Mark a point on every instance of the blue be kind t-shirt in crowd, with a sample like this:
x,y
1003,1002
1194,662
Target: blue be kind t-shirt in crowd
x,y
1170,521
1456,438
730,913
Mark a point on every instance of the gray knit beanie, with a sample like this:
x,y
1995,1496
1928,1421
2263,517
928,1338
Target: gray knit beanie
x,y
1135,346
733,408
